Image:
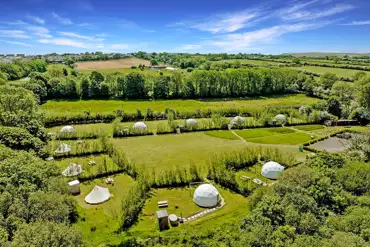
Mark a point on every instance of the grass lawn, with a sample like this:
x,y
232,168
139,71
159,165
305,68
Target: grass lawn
x,y
263,132
104,217
338,71
146,72
236,207
252,172
103,163
225,134
285,139
65,107
309,127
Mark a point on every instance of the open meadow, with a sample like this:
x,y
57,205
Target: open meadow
x,y
112,64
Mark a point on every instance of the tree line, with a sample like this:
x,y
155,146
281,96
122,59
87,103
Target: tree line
x,y
19,69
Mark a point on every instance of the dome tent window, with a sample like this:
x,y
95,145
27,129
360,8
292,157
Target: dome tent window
x,y
272,170
206,195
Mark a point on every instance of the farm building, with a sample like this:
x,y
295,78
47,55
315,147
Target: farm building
x,y
98,195
162,217
272,170
206,195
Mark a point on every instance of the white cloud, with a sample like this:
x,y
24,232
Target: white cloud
x,y
237,42
190,47
14,34
18,22
79,36
120,46
84,24
63,42
15,43
357,23
310,15
296,7
225,23
62,20
37,19
41,32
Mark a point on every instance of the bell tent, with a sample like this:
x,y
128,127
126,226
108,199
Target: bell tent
x,y
98,195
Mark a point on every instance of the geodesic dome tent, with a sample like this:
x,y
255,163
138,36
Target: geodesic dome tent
x,y
67,129
206,195
280,118
72,170
191,123
63,148
139,126
237,120
98,195
272,170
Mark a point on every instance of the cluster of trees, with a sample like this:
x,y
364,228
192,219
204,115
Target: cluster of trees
x,y
19,69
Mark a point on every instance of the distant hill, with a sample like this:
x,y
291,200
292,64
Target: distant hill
x,y
323,54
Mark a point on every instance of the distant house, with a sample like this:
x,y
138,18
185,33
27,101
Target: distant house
x,y
158,67
171,68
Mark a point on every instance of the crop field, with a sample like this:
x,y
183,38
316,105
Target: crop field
x,y
65,107
112,64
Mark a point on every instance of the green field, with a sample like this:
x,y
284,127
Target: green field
x,y
127,71
286,139
309,127
65,107
104,217
338,71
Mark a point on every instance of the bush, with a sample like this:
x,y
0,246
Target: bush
x,y
21,139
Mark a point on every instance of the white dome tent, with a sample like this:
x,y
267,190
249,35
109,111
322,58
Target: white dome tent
x,y
191,123
139,126
206,195
63,148
72,170
98,195
280,118
67,129
237,120
272,170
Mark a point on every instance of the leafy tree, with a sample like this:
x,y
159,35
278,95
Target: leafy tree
x,y
334,106
154,62
84,88
161,88
135,85
328,79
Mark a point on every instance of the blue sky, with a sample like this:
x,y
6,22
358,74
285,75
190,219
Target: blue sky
x,y
232,26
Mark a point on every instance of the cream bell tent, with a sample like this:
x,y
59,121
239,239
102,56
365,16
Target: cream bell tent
x,y
272,170
206,195
191,123
72,170
63,148
98,195
67,129
139,126
237,120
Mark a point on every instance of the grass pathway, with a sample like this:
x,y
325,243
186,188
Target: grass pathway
x,y
238,136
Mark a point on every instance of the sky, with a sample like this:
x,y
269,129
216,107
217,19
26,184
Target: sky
x,y
192,26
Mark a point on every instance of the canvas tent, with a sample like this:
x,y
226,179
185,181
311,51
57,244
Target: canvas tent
x,y
98,195
191,123
63,148
206,195
272,170
72,170
237,120
67,129
139,126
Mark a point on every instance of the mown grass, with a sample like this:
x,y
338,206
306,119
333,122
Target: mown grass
x,y
236,207
65,107
285,139
309,127
263,132
99,223
222,134
126,71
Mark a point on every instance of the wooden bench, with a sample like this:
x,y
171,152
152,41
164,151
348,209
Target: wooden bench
x,y
163,204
